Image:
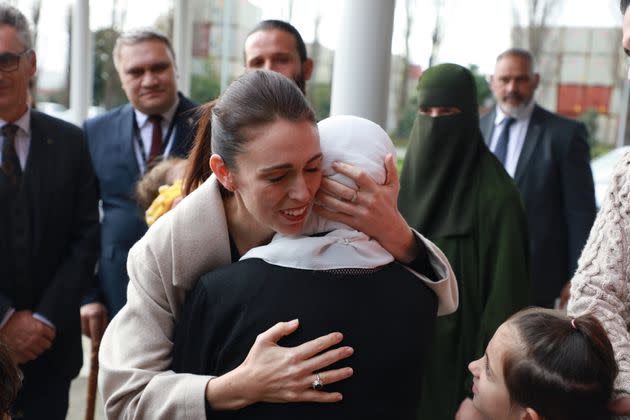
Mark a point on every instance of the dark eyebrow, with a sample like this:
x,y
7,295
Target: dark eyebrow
x,y
627,51
288,165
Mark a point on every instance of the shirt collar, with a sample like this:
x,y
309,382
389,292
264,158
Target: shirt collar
x,y
167,116
523,116
24,122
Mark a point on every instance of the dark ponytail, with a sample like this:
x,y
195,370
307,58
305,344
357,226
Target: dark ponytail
x,y
566,369
198,168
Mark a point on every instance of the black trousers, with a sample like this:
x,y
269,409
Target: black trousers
x,y
42,397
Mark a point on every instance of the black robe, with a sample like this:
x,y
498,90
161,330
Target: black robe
x,y
387,316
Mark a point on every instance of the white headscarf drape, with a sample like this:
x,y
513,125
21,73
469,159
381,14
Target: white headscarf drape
x,y
361,143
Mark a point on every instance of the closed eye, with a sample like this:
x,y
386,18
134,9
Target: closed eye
x,y
276,178
486,365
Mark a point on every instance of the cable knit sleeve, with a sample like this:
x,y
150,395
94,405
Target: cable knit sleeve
x,y
601,283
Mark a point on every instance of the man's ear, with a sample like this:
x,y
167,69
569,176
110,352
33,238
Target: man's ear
x,y
536,80
307,68
222,172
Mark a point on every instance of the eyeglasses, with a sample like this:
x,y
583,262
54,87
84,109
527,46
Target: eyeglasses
x,y
9,62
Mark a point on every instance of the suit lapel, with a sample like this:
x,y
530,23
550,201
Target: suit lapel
x,y
487,127
532,137
184,125
125,137
40,171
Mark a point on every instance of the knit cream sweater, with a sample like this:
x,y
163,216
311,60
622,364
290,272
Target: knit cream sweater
x,y
601,285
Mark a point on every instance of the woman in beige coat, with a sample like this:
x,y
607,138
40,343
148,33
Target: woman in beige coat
x,y
260,121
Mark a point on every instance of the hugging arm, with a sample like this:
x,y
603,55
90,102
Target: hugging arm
x,y
373,210
269,373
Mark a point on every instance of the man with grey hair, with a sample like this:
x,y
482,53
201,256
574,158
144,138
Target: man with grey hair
x,y
48,231
548,157
157,121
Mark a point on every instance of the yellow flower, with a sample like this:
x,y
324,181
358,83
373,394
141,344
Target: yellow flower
x,y
164,201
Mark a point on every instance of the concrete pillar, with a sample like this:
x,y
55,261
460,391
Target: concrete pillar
x,y
80,89
362,60
182,43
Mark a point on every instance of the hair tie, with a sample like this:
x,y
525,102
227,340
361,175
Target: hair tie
x,y
573,323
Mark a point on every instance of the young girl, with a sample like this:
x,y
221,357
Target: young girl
x,y
541,364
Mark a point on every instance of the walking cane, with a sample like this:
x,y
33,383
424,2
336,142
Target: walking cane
x,y
92,380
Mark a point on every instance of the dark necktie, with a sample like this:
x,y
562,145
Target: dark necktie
x,y
502,145
10,161
156,137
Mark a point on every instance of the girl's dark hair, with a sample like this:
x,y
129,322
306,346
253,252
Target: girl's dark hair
x,y
566,368
623,5
257,98
10,381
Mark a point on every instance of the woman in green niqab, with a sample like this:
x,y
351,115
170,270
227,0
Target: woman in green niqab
x,y
455,192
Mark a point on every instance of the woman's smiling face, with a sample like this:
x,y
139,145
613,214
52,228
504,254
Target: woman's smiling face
x,y
278,173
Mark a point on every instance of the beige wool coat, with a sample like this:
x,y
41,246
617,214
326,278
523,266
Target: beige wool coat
x,y
135,355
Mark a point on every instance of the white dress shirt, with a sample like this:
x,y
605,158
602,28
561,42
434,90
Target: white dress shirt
x,y
518,130
146,133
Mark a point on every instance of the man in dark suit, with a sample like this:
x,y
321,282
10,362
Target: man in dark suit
x,y
157,121
48,232
548,157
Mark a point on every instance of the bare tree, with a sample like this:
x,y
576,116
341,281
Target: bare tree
x,y
438,31
403,96
531,30
35,14
315,49
290,9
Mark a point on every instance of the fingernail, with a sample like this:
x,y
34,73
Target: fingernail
x,y
294,322
349,350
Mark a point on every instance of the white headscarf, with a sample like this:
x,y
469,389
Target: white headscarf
x,y
361,143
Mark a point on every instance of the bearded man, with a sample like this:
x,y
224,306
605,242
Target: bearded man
x,y
548,157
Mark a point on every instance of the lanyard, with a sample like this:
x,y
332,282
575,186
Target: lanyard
x,y
138,138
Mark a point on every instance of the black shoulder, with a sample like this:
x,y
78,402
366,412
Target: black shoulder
x,y
557,121
186,103
53,124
